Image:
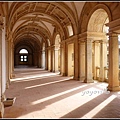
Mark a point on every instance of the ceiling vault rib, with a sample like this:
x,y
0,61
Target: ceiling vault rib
x,y
35,6
64,19
53,10
29,7
47,8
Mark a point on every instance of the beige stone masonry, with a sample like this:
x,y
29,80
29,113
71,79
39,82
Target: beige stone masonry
x,y
88,61
1,103
113,78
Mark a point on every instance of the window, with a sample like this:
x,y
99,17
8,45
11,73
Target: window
x,y
23,55
70,30
23,58
23,51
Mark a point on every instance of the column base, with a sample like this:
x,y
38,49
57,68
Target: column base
x,y
75,78
7,85
12,76
56,71
95,78
3,97
116,88
82,79
88,81
101,80
63,74
1,109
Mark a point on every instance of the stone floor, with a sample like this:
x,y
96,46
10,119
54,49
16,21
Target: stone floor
x,y
42,94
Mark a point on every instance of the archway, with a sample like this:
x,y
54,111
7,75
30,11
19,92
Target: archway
x,y
43,56
23,56
57,53
97,33
71,59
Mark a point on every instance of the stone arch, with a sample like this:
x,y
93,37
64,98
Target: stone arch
x,y
95,26
87,12
97,20
17,55
57,53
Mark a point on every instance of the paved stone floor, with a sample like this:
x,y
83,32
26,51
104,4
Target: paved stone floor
x,y
42,94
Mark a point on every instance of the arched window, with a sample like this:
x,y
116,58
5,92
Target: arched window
x,y
23,55
70,30
23,51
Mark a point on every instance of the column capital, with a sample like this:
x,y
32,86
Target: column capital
x,y
62,42
89,40
102,42
1,23
112,34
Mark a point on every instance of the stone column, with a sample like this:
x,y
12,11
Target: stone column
x,y
96,60
46,59
11,55
88,61
56,59
43,59
82,61
113,75
13,75
76,63
1,103
39,59
62,59
101,77
7,65
50,59
103,60
53,59
9,61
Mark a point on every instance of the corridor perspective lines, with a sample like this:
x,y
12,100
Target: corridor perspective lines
x,y
43,94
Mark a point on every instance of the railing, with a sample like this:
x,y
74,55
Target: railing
x,y
105,73
97,72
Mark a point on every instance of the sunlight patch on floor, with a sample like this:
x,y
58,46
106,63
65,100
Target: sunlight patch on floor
x,y
89,94
97,109
57,95
34,76
47,83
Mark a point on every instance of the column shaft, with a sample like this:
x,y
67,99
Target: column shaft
x,y
113,75
82,61
88,61
101,78
76,63
1,103
96,58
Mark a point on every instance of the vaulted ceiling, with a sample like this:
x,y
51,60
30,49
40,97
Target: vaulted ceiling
x,y
39,20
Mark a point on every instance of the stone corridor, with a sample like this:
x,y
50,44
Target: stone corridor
x,y
43,94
